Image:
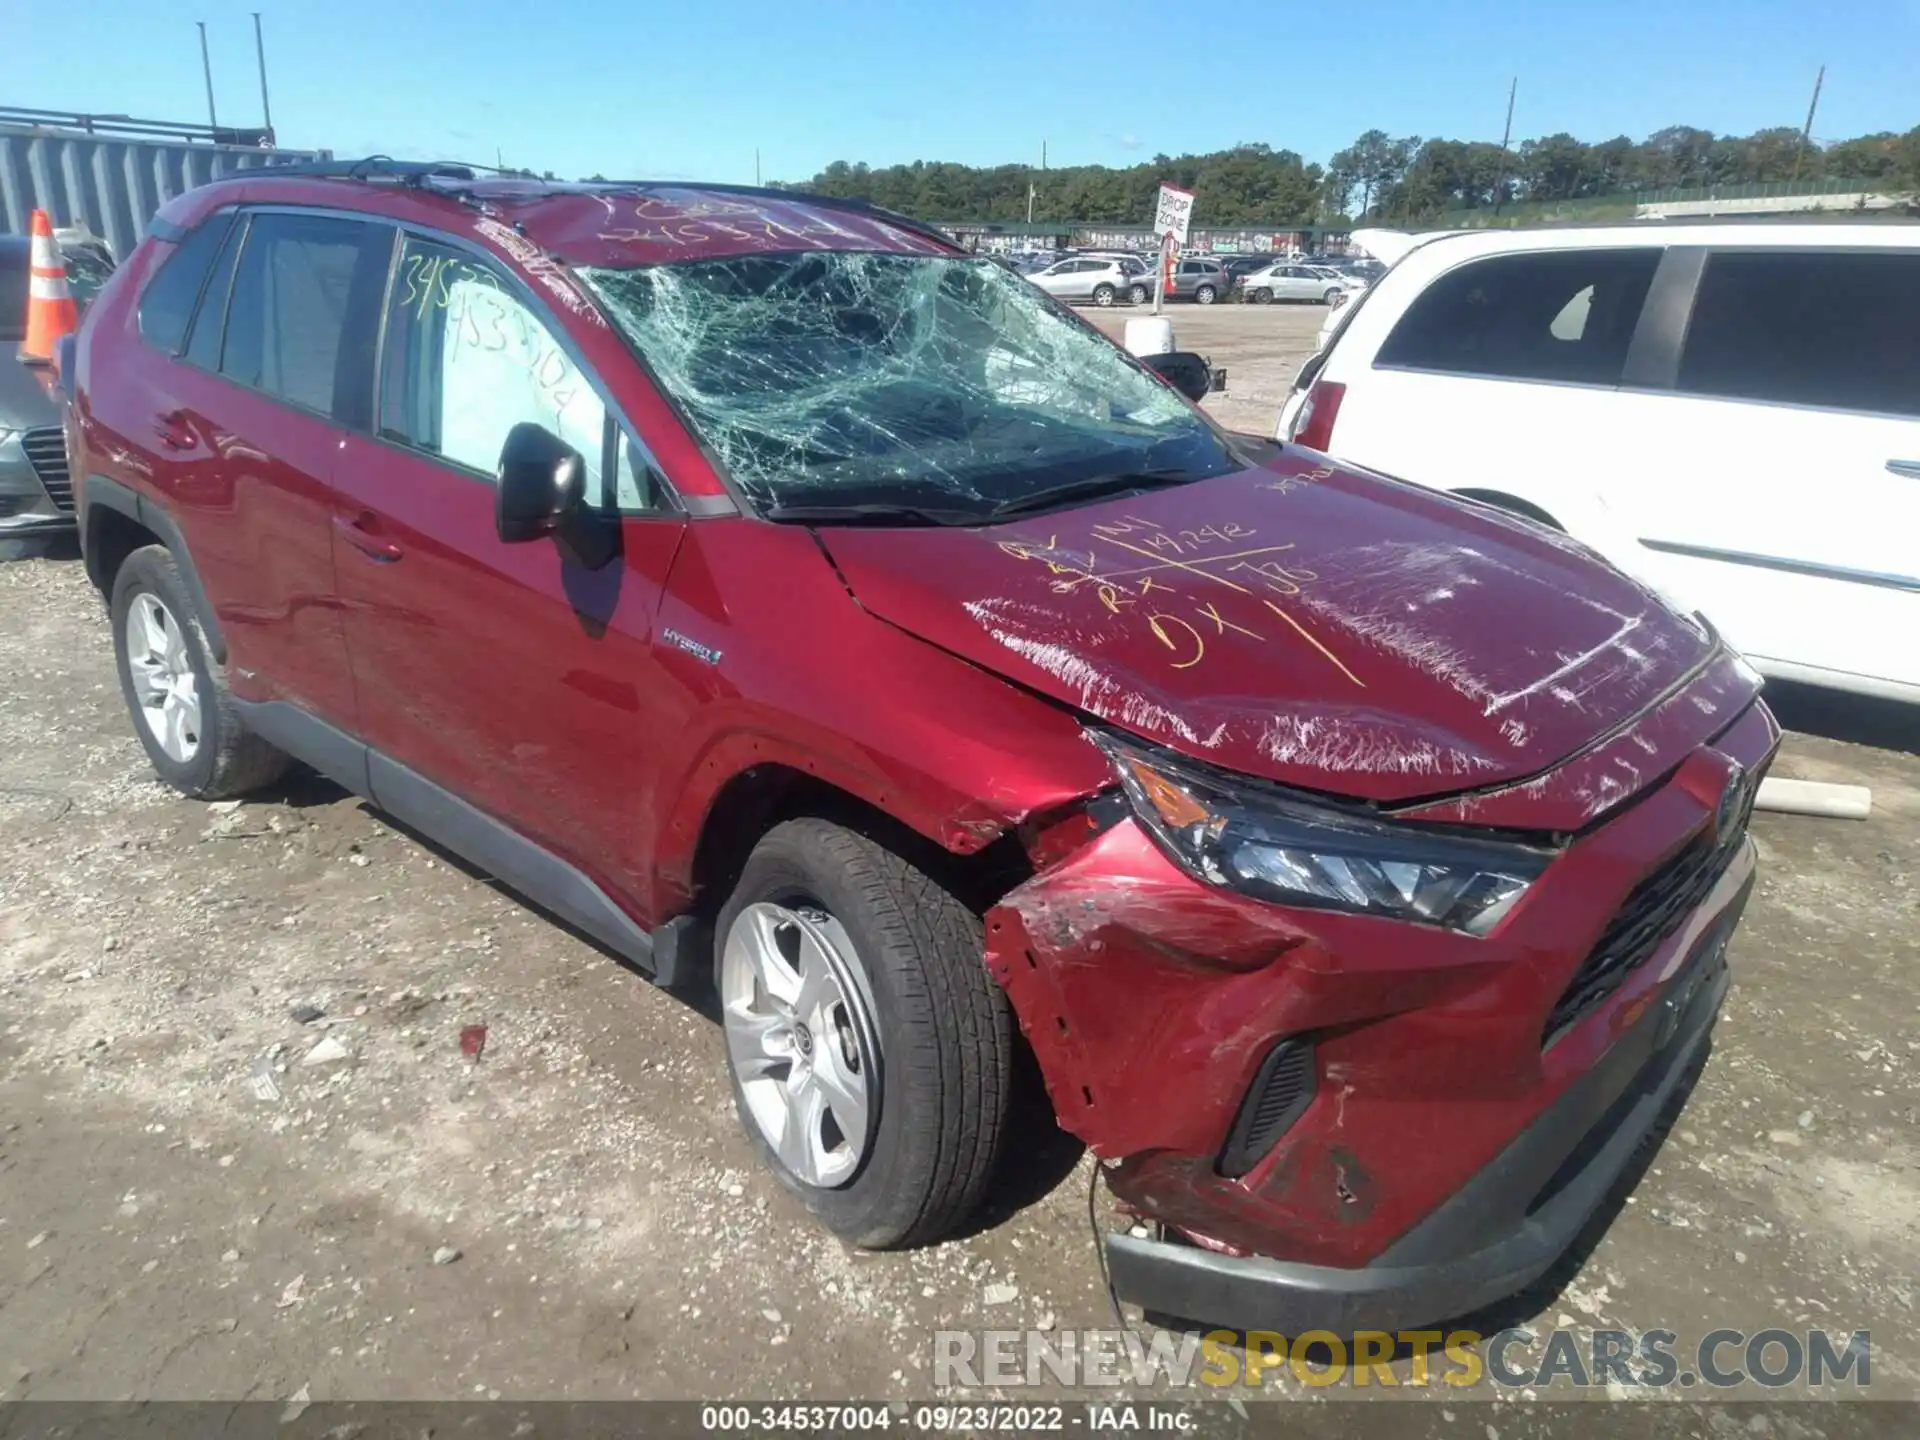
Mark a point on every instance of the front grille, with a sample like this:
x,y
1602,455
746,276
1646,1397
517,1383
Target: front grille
x,y
47,453
1281,1091
1656,908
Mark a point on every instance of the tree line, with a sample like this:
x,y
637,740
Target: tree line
x,y
1379,178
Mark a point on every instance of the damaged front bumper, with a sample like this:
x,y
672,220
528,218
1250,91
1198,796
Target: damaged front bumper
x,y
1497,1234
1458,1129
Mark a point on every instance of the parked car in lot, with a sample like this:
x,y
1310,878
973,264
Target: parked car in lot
x,y
1100,279
779,595
1238,265
36,494
1729,413
1291,280
1195,279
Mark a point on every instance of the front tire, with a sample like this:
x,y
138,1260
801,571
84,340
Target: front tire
x,y
1262,296
1205,295
1103,295
871,1053
1139,294
175,691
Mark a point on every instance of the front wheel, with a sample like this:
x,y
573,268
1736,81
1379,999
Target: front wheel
x,y
1262,296
1103,295
1139,294
1204,295
871,1052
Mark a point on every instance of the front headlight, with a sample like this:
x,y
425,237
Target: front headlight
x,y
1257,838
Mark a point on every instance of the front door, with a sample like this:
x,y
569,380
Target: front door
x,y
508,674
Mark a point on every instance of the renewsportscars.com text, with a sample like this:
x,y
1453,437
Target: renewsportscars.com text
x,y
1548,1358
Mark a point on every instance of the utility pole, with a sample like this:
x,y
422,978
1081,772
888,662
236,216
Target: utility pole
x,y
206,67
1806,131
1506,139
756,167
260,54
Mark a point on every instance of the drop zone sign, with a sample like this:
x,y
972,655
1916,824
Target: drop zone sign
x,y
1173,214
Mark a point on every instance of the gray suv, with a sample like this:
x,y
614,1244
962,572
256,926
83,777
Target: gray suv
x,y
36,495
1201,281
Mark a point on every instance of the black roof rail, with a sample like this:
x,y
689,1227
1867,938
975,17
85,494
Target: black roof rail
x,y
374,167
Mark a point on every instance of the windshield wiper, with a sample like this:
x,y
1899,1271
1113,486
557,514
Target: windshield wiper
x,y
1088,488
869,512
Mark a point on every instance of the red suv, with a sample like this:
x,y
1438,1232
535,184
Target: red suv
x,y
775,592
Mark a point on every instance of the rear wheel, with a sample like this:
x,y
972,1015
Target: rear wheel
x,y
1333,293
1103,295
871,1053
175,690
1204,295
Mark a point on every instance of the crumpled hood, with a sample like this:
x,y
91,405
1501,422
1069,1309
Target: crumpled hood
x,y
1314,625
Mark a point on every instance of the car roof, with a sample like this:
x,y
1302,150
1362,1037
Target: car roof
x,y
594,223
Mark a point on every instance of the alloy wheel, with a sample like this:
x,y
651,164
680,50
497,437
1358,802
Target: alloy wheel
x,y
801,1038
164,682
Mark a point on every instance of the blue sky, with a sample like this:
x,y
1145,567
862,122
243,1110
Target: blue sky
x,y
690,90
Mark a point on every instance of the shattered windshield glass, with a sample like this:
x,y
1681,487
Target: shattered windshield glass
x,y
843,378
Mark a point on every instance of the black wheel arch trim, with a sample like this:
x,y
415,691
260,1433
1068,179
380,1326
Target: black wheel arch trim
x,y
666,955
124,500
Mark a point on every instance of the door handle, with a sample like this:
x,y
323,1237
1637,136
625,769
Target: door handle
x,y
1908,468
354,532
173,430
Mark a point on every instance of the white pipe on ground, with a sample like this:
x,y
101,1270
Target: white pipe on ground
x,y
1814,797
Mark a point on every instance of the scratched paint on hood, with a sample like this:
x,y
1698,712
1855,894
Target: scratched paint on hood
x,y
1299,621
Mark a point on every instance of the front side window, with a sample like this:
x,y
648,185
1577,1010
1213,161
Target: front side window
x,y
293,292
468,357
1835,330
1565,315
826,376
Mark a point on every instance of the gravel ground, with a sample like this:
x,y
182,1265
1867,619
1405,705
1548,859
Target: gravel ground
x,y
193,1204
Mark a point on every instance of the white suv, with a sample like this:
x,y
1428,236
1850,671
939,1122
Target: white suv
x,y
1101,279
1729,412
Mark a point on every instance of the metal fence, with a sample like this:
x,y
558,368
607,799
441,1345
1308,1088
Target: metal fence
x,y
112,187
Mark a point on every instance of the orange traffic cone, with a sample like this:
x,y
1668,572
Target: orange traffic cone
x,y
50,309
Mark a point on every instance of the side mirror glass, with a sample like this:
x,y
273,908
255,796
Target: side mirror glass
x,y
542,479
1185,371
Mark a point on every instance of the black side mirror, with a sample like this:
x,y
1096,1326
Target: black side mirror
x,y
542,479
1185,371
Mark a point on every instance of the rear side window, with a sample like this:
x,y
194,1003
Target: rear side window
x,y
293,293
166,305
1840,331
209,322
1551,315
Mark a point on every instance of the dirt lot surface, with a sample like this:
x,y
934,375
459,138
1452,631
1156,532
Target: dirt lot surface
x,y
577,1215
1261,346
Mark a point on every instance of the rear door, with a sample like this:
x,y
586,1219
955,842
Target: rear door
x,y
1777,485
247,422
508,674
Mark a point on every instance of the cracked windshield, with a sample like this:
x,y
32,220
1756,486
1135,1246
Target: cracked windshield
x,y
850,378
